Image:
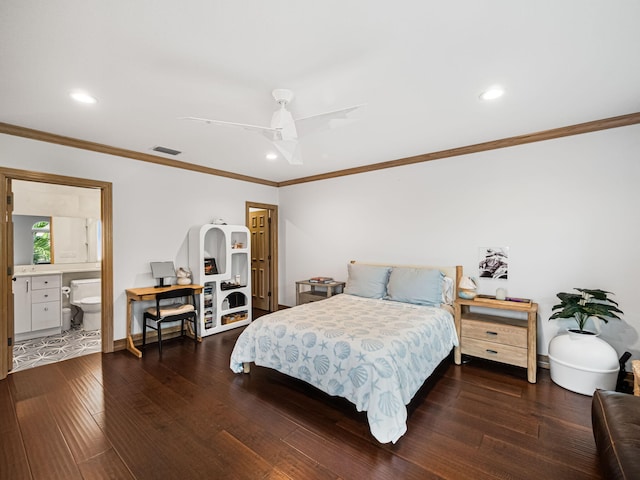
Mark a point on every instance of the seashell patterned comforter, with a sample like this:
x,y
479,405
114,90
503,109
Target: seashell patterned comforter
x,y
375,353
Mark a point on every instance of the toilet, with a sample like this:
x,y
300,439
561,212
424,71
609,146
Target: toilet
x,y
86,295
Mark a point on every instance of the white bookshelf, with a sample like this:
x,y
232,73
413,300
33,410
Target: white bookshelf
x,y
226,298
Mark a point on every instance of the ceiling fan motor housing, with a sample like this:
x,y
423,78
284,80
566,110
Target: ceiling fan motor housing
x,y
282,95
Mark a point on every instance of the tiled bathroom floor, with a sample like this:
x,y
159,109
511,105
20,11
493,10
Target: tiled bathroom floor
x,y
41,351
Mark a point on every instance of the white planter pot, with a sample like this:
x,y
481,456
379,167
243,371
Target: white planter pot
x,y
582,363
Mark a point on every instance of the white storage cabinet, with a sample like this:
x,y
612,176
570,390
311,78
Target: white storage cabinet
x,y
226,299
37,308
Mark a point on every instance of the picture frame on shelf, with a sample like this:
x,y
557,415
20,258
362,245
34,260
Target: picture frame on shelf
x,y
210,267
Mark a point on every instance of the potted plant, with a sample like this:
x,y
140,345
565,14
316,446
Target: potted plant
x,y
580,361
586,304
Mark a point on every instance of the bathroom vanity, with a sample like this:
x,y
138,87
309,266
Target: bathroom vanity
x,y
37,301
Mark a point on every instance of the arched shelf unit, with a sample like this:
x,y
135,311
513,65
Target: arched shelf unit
x,y
219,261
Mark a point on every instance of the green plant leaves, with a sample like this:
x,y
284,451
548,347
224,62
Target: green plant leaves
x,y
589,303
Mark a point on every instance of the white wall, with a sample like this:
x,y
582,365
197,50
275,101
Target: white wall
x,y
33,198
567,208
153,206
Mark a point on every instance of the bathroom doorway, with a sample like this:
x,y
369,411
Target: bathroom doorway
x,y
71,256
56,248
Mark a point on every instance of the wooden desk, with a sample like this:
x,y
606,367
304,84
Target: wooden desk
x,y
146,294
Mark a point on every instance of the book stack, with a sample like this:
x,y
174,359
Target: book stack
x,y
321,280
208,306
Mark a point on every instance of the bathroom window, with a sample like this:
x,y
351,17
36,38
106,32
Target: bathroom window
x,y
41,242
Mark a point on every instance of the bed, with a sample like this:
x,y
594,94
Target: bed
x,y
374,345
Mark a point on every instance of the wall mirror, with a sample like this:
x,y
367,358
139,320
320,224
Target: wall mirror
x,y
70,240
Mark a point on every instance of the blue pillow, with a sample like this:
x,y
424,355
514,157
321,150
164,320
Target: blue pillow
x,y
420,286
367,280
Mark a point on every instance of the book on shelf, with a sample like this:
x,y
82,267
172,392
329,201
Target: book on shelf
x,y
321,280
506,301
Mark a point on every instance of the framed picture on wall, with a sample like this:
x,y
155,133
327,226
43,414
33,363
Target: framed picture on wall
x,y
494,262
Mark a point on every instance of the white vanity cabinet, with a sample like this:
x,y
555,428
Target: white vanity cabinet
x,y
21,305
37,303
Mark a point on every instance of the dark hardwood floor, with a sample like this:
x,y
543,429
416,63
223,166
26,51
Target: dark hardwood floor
x,y
187,416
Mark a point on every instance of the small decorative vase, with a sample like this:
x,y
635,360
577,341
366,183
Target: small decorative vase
x,y
184,276
582,362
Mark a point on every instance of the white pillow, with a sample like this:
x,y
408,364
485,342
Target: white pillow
x,y
367,280
447,291
421,286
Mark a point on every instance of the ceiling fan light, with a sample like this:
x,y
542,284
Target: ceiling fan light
x,y
492,93
83,97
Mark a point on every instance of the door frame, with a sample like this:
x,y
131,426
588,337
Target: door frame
x,y
6,264
273,248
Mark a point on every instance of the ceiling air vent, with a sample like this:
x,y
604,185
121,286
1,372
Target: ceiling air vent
x,y
169,151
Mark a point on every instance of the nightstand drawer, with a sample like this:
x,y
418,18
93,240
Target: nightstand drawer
x,y
495,351
308,297
502,333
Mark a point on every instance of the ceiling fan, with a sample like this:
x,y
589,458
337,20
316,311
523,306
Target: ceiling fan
x,y
285,130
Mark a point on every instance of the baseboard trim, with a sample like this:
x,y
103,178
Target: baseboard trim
x,y
543,361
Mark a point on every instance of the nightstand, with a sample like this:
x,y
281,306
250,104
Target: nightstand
x,y
504,339
307,291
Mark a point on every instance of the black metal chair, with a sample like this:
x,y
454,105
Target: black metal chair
x,y
173,311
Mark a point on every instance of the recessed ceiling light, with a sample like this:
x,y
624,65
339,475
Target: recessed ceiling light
x,y
492,93
271,156
83,97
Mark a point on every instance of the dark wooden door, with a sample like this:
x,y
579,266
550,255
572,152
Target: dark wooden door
x,y
259,226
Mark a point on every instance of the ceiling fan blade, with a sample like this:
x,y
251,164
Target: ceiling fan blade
x,y
327,120
269,132
340,113
282,120
290,150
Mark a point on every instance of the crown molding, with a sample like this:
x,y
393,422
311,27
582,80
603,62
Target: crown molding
x,y
121,152
579,129
593,126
